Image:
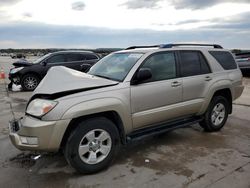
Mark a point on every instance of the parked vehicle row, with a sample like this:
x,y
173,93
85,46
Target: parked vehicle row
x,y
14,56
126,96
243,60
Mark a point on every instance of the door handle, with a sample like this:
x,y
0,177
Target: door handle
x,y
208,78
175,84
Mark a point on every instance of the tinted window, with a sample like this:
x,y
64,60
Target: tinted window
x,y
74,57
204,65
225,59
162,66
56,59
90,57
193,63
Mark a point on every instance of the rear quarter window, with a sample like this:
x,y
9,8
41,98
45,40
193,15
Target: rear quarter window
x,y
225,59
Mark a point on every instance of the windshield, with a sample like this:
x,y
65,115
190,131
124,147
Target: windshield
x,y
41,58
115,66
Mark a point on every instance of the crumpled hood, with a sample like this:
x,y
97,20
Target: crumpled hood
x,y
63,81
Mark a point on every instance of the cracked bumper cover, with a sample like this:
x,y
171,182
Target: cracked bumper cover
x,y
40,135
15,79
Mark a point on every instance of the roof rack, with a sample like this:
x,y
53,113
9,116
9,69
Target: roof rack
x,y
134,47
177,44
190,44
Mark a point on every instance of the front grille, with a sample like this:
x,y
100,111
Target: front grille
x,y
14,126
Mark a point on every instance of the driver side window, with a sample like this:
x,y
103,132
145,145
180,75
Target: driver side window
x,y
162,66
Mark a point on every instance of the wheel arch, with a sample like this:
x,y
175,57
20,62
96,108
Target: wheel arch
x,y
111,115
30,73
226,92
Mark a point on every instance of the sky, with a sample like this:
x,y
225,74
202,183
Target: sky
x,y
122,23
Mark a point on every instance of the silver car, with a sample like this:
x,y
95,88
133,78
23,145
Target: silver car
x,y
128,95
243,60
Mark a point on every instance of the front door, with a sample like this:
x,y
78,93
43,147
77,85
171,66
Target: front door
x,y
156,99
55,60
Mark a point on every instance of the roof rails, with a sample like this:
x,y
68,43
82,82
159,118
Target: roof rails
x,y
134,47
190,44
172,45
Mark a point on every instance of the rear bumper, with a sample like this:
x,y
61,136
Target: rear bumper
x,y
238,90
30,133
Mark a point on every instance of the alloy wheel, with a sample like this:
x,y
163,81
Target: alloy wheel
x,y
95,146
218,114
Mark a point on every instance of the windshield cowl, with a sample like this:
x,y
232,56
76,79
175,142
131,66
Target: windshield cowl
x,y
105,77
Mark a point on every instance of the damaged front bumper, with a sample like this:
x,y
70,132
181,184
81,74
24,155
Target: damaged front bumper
x,y
29,133
15,78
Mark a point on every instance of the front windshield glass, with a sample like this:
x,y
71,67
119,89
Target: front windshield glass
x,y
115,66
41,58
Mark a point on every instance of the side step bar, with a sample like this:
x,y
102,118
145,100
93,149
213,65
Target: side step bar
x,y
161,128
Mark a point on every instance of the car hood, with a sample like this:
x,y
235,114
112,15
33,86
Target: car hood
x,y
21,63
61,81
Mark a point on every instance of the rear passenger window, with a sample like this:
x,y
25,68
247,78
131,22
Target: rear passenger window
x,y
193,63
204,65
225,59
162,66
74,57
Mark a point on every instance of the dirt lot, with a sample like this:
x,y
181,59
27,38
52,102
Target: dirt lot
x,y
186,157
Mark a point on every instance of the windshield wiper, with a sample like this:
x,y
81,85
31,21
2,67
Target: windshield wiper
x,y
106,77
102,76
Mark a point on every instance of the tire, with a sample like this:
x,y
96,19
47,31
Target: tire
x,y
216,115
102,156
30,82
10,86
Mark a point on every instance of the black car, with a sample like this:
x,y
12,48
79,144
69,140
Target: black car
x,y
30,74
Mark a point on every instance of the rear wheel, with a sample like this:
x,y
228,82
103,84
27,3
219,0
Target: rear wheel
x,y
93,145
216,115
30,82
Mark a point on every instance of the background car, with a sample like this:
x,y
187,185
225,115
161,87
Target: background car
x,y
243,60
30,74
13,56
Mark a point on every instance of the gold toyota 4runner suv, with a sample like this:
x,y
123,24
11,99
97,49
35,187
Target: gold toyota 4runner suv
x,y
128,95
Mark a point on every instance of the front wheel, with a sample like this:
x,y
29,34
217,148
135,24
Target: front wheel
x,y
92,146
216,115
30,82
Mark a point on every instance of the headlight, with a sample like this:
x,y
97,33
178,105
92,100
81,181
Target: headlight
x,y
40,107
13,71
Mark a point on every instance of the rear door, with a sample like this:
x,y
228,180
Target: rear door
x,y
74,60
90,60
197,76
80,61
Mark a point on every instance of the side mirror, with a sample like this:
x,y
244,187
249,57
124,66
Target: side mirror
x,y
44,63
142,75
